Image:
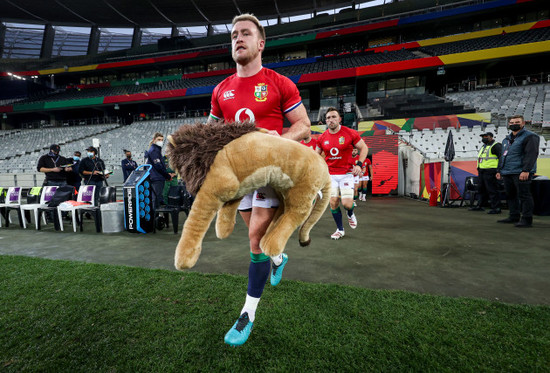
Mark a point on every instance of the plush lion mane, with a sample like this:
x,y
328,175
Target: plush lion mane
x,y
192,148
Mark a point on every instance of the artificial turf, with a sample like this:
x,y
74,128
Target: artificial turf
x,y
74,316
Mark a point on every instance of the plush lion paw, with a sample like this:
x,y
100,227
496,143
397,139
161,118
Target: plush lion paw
x,y
186,257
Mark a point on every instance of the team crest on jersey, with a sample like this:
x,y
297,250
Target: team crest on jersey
x,y
341,140
260,92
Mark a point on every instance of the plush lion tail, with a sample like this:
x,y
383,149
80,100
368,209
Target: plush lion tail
x,y
321,203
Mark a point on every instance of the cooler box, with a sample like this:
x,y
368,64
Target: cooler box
x,y
112,217
138,204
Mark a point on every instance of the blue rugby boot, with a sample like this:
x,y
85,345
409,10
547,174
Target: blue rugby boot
x,y
238,334
277,271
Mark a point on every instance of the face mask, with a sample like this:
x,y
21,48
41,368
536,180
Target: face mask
x,y
485,141
159,143
515,127
90,154
76,158
129,156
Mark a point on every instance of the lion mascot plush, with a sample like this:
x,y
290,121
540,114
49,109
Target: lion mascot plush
x,y
221,163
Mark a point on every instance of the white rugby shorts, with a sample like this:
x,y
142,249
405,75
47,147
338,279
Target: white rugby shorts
x,y
342,186
263,197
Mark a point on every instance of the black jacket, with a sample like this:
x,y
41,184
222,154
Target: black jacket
x,y
51,161
89,164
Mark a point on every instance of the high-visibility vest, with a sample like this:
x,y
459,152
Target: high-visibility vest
x,y
485,159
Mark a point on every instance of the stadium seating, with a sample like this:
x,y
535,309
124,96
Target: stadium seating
x,y
410,106
431,143
533,102
21,149
488,42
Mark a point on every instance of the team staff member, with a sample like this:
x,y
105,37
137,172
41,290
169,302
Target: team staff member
x,y
128,165
74,178
92,169
338,142
159,174
265,97
51,165
487,163
517,166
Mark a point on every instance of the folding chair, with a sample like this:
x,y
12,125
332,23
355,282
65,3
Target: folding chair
x,y
85,195
45,197
106,195
12,202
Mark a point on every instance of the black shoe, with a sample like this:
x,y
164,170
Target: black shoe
x,y
508,220
477,208
524,223
494,211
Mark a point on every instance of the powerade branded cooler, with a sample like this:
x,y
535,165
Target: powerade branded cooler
x,y
138,204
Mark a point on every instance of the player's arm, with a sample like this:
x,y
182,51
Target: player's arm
x,y
212,120
363,150
300,126
215,116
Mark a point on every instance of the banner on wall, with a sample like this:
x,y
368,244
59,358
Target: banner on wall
x,y
379,127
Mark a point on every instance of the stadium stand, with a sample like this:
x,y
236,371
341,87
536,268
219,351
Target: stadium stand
x,y
503,40
421,105
21,148
533,102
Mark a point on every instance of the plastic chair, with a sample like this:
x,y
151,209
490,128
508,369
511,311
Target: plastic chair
x,y
86,195
106,195
45,197
13,201
179,200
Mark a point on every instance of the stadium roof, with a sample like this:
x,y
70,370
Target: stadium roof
x,y
152,13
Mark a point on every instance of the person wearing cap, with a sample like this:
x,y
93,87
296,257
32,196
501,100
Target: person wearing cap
x,y
516,167
92,169
487,163
52,165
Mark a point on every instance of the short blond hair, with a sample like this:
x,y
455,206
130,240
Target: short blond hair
x,y
252,18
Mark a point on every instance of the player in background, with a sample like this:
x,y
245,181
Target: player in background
x,y
356,179
338,142
367,175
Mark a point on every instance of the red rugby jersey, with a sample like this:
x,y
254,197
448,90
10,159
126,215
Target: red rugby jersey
x,y
338,148
311,144
263,98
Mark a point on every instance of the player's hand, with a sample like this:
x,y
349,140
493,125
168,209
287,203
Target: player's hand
x,y
497,175
356,170
273,132
68,168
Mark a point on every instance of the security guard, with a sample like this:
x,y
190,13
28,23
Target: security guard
x,y
487,164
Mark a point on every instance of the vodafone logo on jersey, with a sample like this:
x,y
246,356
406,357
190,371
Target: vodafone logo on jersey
x,y
244,114
334,153
228,95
